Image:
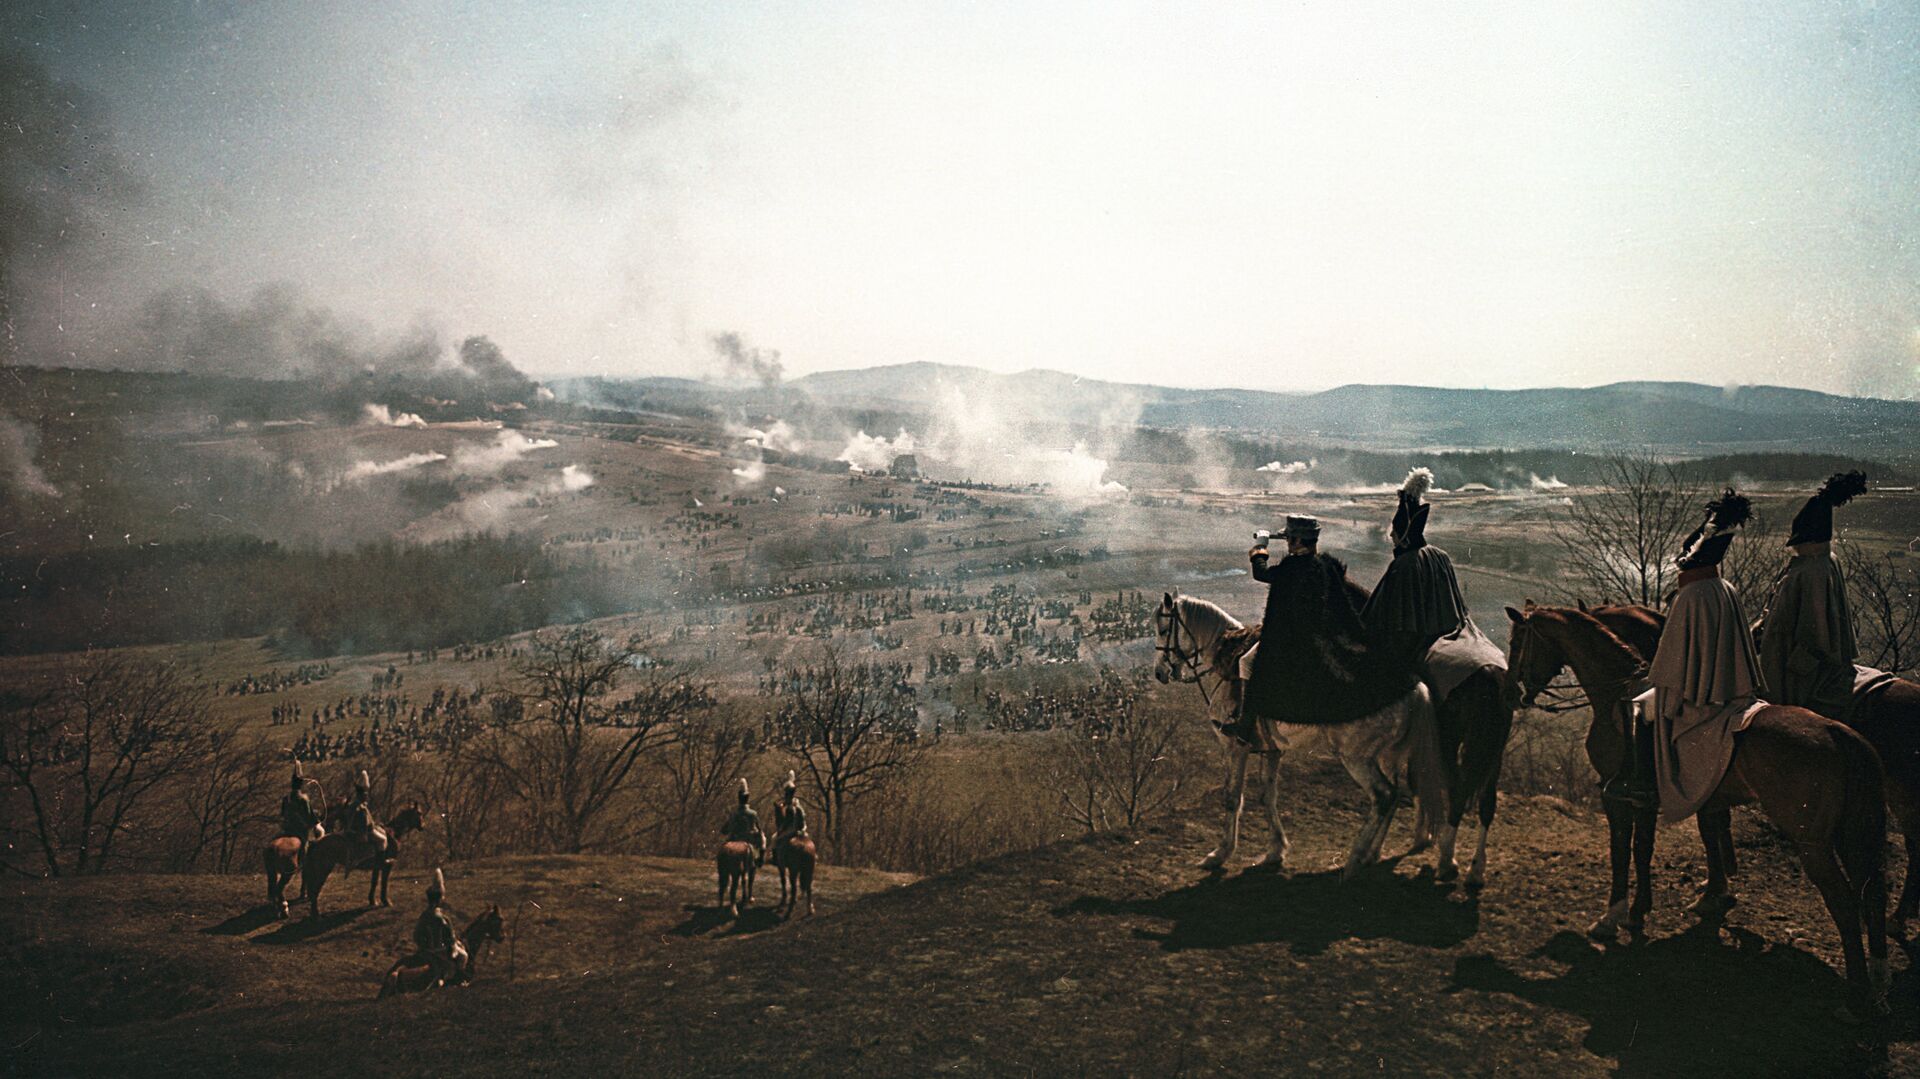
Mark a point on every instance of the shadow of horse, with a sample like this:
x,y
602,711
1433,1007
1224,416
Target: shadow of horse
x,y
1698,1002
309,928
704,920
245,922
1309,911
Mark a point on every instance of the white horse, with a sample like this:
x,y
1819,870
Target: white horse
x,y
1197,643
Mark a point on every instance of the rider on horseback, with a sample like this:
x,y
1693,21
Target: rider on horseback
x,y
1806,640
297,815
743,826
1705,675
789,820
1418,599
433,934
360,810
1312,664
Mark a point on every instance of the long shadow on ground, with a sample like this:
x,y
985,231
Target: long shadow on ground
x,y
245,922
309,928
1697,1003
1310,911
702,921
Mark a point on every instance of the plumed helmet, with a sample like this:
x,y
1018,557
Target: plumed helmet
x,y
299,774
744,794
1814,522
363,782
1410,517
438,889
1708,544
792,784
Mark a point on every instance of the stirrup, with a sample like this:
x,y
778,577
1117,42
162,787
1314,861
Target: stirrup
x,y
1240,730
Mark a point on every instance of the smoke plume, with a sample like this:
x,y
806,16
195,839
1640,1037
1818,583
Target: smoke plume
x,y
19,474
869,453
382,416
738,361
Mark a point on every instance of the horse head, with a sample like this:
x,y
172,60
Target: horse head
x,y
411,819
489,926
1533,658
1166,621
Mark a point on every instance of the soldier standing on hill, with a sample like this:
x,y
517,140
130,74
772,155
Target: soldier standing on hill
x,y
743,826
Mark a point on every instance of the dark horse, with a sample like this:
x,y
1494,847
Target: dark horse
x,y
736,864
795,857
281,857
338,850
1476,721
414,974
1818,782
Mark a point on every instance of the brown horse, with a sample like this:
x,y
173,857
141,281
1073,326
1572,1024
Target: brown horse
x,y
414,974
338,850
1818,781
795,857
736,862
281,857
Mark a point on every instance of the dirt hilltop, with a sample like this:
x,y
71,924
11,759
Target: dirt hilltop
x,y
1111,955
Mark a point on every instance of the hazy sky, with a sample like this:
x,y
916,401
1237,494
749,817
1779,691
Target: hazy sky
x,y
1277,195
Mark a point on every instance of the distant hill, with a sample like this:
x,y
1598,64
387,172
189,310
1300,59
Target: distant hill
x,y
1674,416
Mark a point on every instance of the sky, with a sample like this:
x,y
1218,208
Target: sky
x,y
1279,196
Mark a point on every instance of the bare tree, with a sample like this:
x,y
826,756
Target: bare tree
x,y
854,735
1754,562
84,754
1884,591
1124,767
228,790
572,753
1619,543
708,752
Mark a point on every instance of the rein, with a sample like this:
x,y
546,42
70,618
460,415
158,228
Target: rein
x,y
1187,663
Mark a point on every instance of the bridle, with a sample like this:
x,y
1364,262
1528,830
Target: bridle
x,y
1186,664
1517,677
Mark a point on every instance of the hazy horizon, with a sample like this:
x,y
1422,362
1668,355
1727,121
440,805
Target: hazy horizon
x,y
1488,197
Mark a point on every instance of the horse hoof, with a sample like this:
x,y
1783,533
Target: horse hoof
x,y
1713,904
1213,861
1476,880
1447,873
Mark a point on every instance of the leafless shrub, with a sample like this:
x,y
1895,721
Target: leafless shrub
x,y
1618,544
1883,588
846,733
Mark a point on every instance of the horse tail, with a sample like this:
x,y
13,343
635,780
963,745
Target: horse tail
x,y
1423,764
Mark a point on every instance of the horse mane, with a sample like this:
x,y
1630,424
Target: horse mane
x,y
1226,622
1574,614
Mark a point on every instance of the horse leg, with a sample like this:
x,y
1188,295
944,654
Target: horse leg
x,y
1233,796
1619,851
1645,822
1823,868
806,879
1489,805
1716,835
1906,809
1385,798
1278,847
1452,735
386,873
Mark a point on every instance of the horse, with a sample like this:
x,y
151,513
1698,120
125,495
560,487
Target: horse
x,y
795,857
1818,781
339,850
1887,713
1197,642
281,857
1475,721
736,864
408,976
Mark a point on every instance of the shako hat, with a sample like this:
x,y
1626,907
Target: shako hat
x,y
1708,544
1814,522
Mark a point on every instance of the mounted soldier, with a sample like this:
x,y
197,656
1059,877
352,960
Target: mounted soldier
x,y
433,935
1705,675
1806,640
360,824
1417,615
297,815
743,825
1313,664
789,819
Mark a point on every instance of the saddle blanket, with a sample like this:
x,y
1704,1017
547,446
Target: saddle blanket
x,y
1867,680
1459,656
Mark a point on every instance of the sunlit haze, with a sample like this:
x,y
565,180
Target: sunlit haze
x,y
1270,196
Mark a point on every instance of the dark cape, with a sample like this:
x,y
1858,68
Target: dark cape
x,y
1315,665
1417,602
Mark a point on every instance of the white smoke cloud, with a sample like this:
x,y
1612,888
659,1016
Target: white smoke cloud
x,y
752,472
1074,472
1290,468
543,393
1551,483
19,443
364,469
506,448
382,416
575,478
778,436
869,453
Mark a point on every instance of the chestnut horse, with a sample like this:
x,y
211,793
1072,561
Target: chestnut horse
x,y
411,975
281,856
795,858
338,850
1818,781
736,863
